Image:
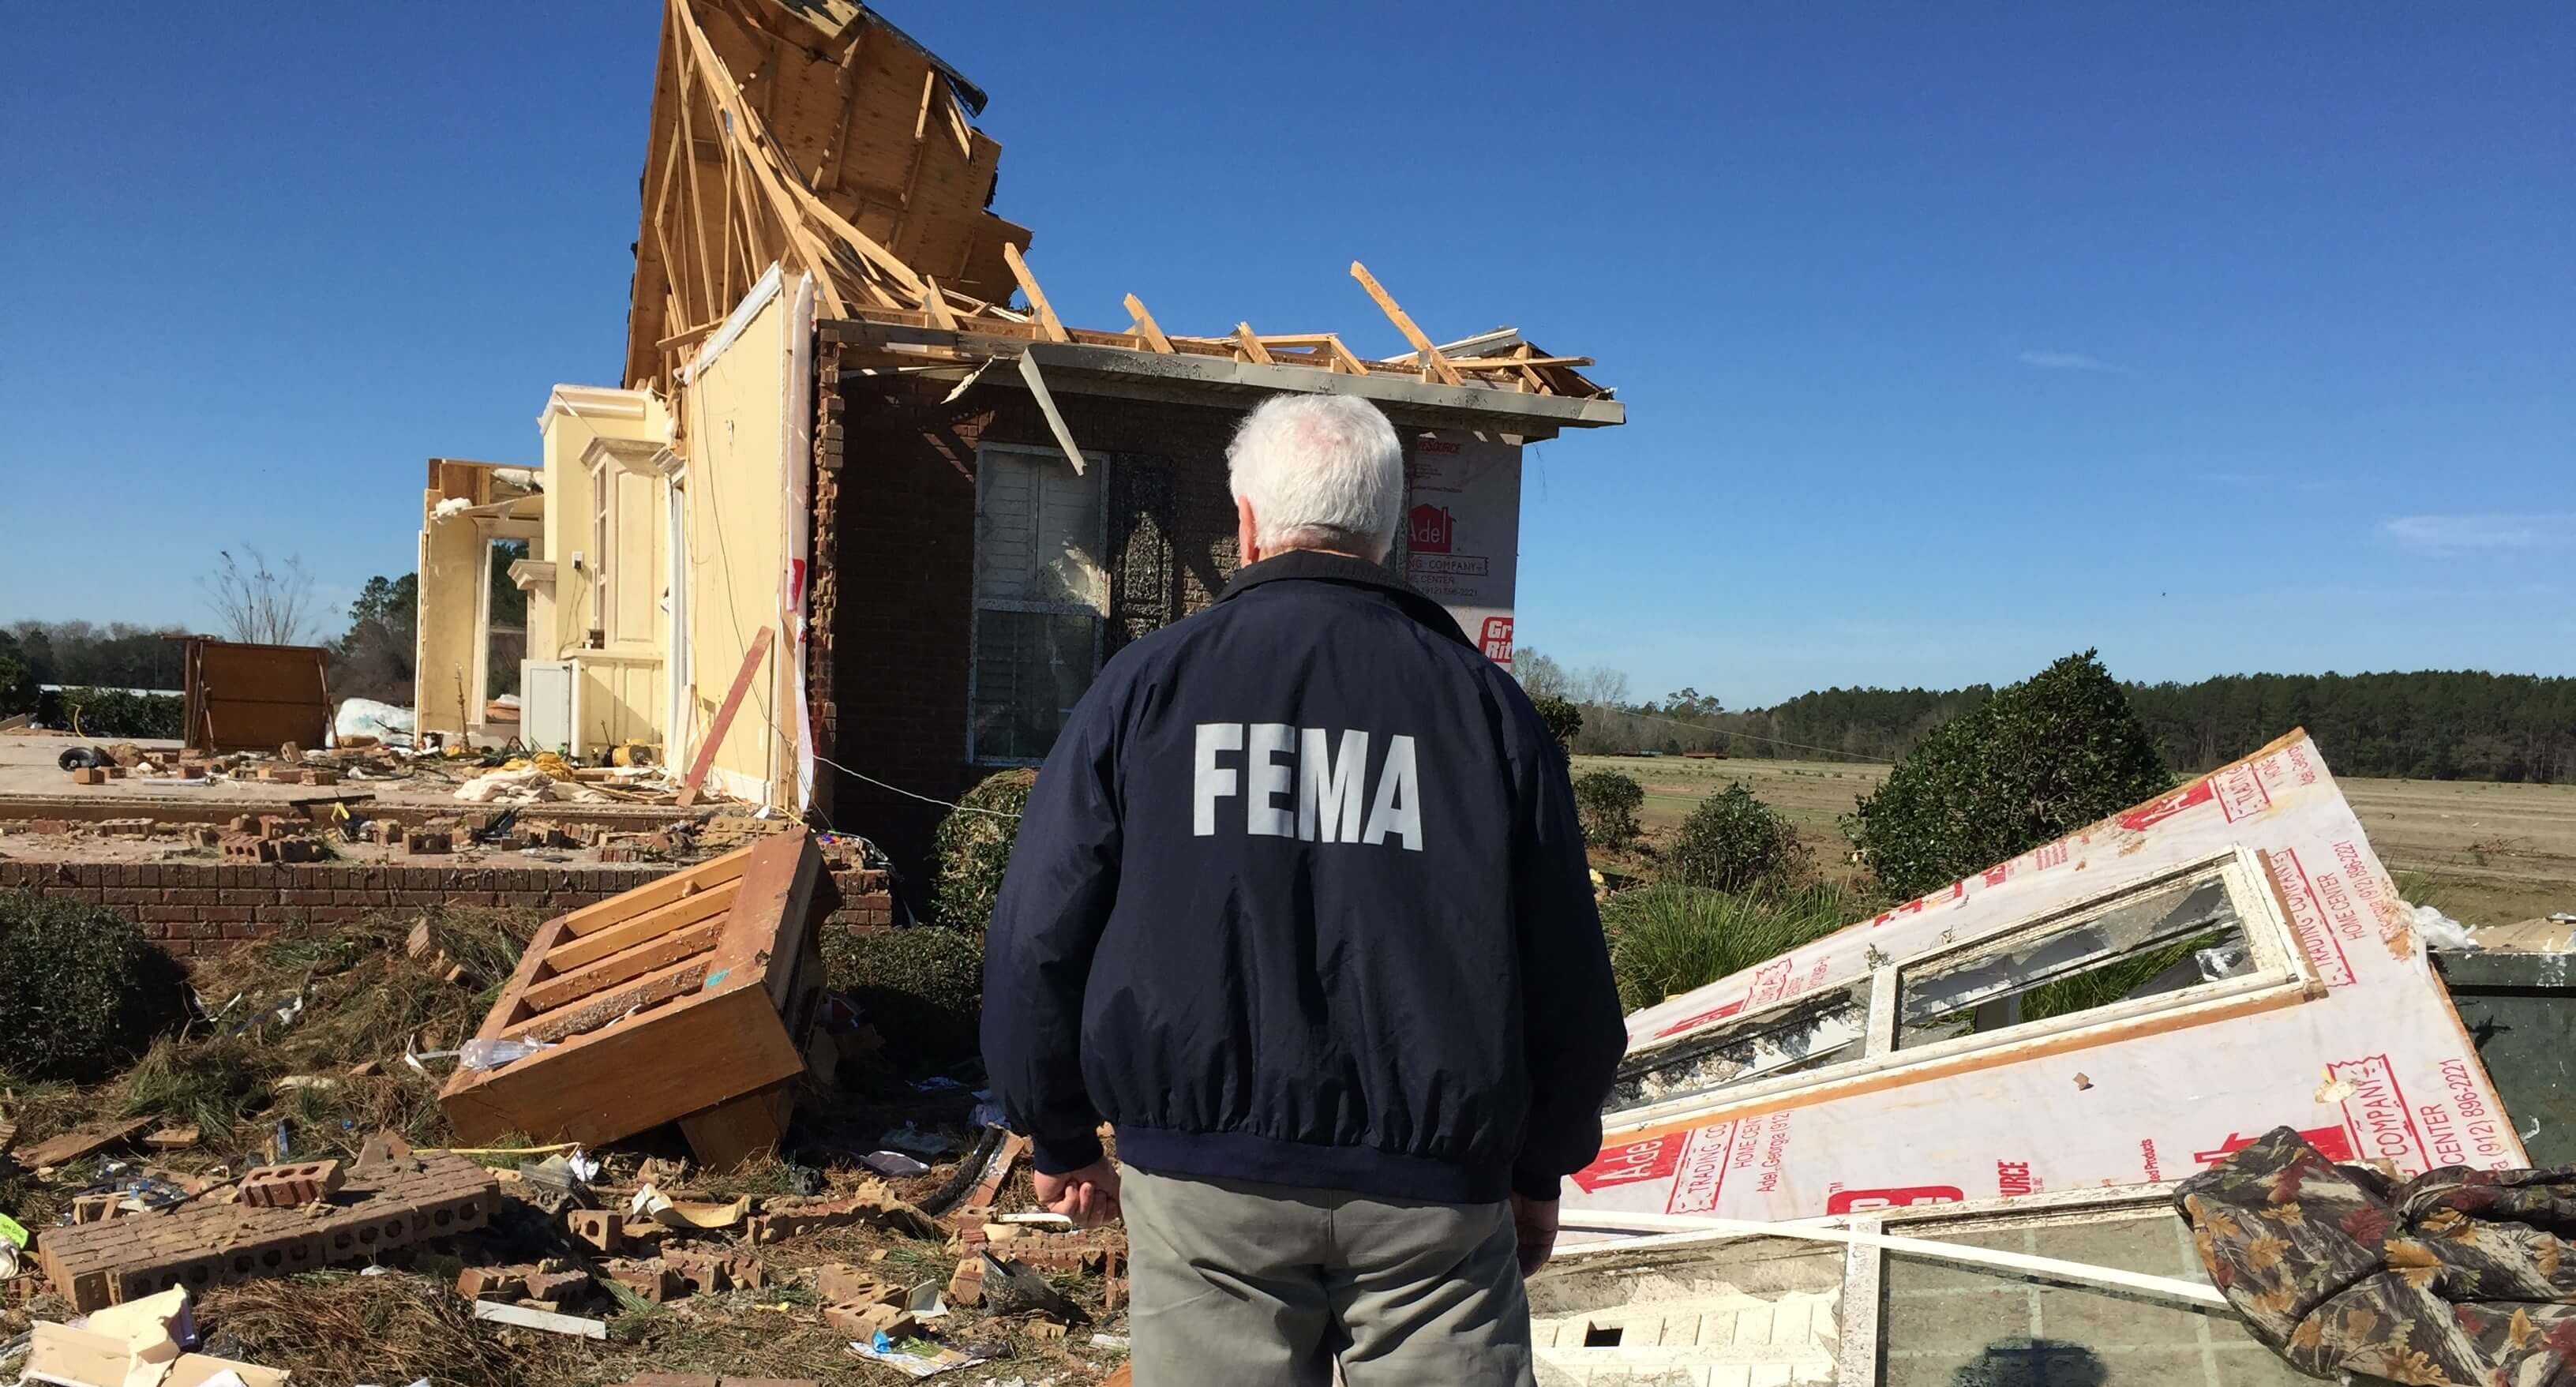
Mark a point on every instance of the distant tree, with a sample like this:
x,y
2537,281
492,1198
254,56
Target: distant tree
x,y
1600,686
259,602
1688,703
17,678
374,658
2043,757
1540,675
1564,722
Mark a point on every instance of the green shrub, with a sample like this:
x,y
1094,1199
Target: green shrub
x,y
1607,803
112,712
923,987
2036,761
1735,842
86,991
1670,938
974,848
1564,721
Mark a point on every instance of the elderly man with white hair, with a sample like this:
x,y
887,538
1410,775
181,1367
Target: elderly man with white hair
x,y
1299,906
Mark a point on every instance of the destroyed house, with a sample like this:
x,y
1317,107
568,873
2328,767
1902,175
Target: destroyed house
x,y
866,515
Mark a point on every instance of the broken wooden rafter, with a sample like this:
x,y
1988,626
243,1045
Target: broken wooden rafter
x,y
1433,362
934,300
1146,327
1053,326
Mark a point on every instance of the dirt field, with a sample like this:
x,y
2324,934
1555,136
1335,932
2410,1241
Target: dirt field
x,y
2485,853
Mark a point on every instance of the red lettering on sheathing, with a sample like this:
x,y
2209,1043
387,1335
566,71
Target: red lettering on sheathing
x,y
1702,1018
2307,919
2240,793
1703,1170
2378,1112
1628,1164
1771,980
1862,1201
2148,815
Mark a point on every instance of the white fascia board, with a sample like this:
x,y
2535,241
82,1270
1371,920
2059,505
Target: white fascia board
x,y
732,327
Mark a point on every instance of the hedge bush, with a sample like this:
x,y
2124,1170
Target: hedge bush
x,y
86,991
974,848
1670,938
2029,765
1564,721
1735,842
112,712
923,987
1607,803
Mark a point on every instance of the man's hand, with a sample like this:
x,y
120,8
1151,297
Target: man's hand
x,y
1534,1220
1089,1196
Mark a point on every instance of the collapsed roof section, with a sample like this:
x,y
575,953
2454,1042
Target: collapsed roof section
x,y
815,134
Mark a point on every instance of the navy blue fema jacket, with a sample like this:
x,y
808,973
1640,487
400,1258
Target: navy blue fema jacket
x,y
1300,898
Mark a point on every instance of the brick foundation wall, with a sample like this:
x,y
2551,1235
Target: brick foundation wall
x,y
200,908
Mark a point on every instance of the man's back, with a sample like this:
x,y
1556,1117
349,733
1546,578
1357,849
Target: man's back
x,y
1299,904
1313,968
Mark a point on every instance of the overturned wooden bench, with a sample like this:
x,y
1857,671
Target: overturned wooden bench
x,y
691,999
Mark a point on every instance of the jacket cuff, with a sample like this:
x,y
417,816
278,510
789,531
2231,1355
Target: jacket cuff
x,y
1543,1188
1056,1155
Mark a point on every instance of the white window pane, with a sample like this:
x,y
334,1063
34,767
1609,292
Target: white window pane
x,y
1037,532
1030,669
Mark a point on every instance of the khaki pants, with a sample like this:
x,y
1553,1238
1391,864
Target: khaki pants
x,y
1253,1285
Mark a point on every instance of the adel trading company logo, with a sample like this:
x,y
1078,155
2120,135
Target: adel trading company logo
x,y
1433,529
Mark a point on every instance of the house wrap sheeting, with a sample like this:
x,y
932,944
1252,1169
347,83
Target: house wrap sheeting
x,y
1829,1080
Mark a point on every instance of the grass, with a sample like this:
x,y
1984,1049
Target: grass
x,y
1666,939
365,1000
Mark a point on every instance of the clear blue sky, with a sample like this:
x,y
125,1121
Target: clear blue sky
x,y
1955,337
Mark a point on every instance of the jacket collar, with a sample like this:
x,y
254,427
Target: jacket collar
x,y
1318,566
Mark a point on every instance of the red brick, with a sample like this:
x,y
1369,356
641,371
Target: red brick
x,y
284,1186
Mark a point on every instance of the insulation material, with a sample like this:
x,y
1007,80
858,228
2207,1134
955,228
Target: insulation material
x,y
2359,1049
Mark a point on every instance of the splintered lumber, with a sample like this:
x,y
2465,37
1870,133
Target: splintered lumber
x,y
1432,360
1146,327
1051,324
690,999
705,760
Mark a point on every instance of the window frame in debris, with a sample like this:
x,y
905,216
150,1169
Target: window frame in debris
x,y
2278,973
1093,476
1859,1337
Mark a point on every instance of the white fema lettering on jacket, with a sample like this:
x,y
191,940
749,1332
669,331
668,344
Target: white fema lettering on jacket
x,y
1329,784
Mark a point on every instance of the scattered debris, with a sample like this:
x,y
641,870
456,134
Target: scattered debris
x,y
525,1318
79,1142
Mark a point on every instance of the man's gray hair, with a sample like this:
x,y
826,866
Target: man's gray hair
x,y
1321,472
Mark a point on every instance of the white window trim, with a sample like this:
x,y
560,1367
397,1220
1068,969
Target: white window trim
x,y
1858,1335
2281,976
1096,465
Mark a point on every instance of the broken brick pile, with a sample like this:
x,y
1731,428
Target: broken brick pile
x,y
390,1198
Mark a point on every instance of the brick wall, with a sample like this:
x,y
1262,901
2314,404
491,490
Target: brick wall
x,y
194,908
901,574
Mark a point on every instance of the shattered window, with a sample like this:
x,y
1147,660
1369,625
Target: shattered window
x,y
2177,937
2199,925
1758,1310
1947,1324
1823,1030
1041,592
